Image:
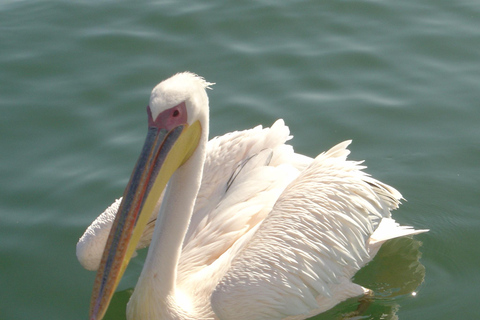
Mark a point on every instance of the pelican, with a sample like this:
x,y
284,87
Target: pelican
x,y
244,229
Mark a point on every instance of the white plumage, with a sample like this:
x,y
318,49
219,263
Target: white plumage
x,y
273,234
257,160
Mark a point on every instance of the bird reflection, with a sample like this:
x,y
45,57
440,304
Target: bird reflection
x,y
395,272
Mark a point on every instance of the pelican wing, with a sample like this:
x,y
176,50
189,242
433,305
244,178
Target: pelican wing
x,y
244,174
303,255
91,244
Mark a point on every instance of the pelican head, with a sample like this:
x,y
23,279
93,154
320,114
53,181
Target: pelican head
x,y
177,126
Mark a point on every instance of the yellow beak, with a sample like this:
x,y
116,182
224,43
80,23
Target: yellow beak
x,y
163,152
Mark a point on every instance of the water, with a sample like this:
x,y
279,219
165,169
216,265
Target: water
x,y
400,78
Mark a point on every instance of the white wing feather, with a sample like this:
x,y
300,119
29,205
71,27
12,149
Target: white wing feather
x,y
91,244
302,257
245,173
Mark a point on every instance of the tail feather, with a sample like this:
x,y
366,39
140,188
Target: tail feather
x,y
389,229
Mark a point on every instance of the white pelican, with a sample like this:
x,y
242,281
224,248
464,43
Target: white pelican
x,y
247,229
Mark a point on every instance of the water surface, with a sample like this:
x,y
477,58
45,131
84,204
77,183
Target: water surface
x,y
400,78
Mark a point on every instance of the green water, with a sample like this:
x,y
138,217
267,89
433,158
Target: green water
x,y
400,78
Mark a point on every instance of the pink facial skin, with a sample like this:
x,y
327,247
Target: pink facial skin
x,y
169,118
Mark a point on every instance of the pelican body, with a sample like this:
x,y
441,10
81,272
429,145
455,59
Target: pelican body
x,y
244,227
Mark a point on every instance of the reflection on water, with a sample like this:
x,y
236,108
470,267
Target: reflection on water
x,y
395,272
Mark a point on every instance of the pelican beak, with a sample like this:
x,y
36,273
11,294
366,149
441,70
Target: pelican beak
x,y
163,152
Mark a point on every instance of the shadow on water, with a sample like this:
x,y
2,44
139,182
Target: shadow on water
x,y
395,272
